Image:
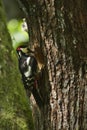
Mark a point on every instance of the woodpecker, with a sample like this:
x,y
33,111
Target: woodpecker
x,y
28,67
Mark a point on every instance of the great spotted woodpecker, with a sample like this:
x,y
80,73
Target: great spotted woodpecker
x,y
28,67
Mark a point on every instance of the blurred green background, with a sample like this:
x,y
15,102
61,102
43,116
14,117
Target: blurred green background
x,y
15,17
12,9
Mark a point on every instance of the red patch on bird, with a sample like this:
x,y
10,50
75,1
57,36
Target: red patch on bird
x,y
18,48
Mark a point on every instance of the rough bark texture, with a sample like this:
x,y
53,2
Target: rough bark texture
x,y
59,27
15,113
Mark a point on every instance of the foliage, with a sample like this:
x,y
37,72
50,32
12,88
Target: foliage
x,y
18,35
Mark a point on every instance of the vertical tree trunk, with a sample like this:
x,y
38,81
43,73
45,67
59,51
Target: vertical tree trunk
x,y
59,27
15,113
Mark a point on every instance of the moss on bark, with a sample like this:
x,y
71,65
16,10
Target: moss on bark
x,y
15,112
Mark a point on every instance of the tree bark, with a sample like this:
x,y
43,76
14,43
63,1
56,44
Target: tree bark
x,y
59,28
15,113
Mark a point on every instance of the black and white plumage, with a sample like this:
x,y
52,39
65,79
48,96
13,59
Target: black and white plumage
x,y
28,67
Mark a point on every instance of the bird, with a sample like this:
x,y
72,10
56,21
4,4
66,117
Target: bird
x,y
28,67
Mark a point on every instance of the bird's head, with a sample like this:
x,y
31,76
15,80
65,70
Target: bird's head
x,y
23,50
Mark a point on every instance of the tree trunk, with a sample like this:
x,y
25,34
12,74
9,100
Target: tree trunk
x,y
15,113
59,28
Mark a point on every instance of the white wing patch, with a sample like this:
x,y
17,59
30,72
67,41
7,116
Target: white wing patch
x,y
28,72
28,60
